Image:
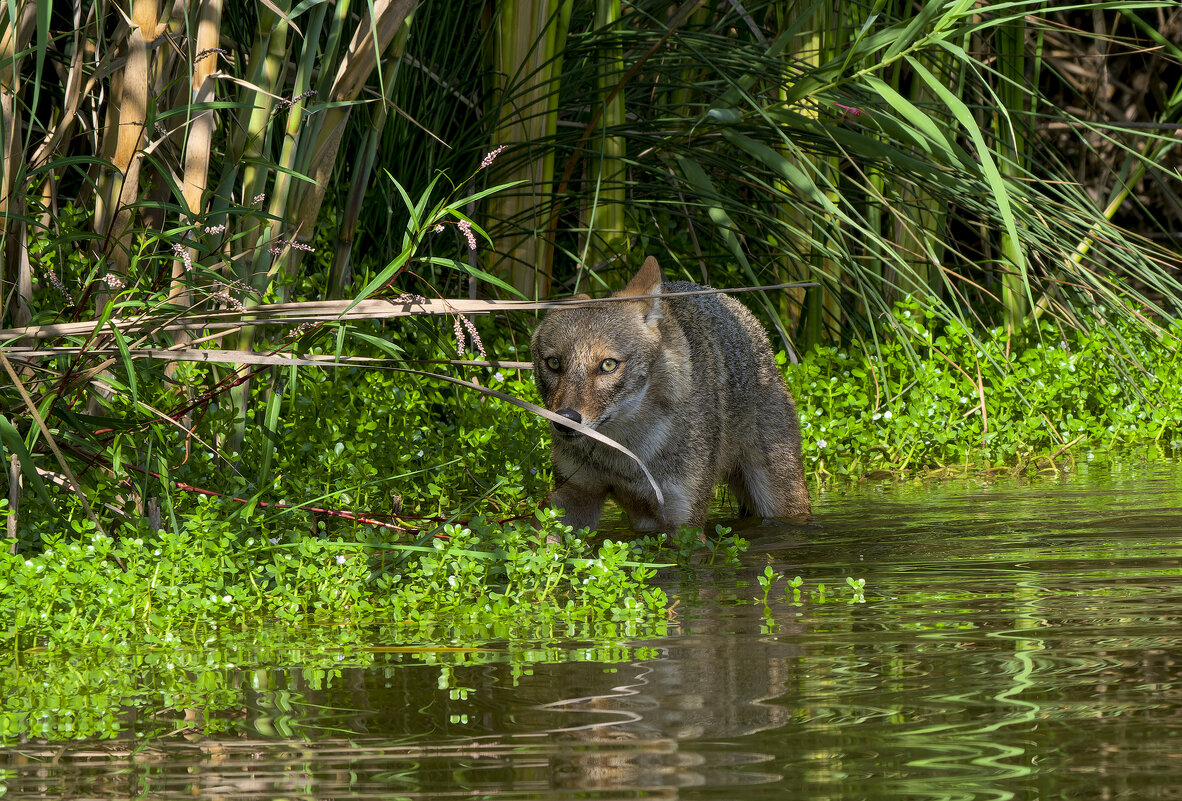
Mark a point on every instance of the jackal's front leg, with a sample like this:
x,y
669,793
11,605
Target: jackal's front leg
x,y
581,505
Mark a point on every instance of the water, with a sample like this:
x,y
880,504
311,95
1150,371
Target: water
x,y
1017,640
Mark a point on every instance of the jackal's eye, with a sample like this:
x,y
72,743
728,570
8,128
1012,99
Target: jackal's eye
x,y
609,365
554,363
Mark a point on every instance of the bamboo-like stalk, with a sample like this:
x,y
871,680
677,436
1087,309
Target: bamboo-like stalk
x,y
299,206
341,271
14,262
370,39
127,114
267,60
529,38
279,203
607,223
822,303
1009,123
284,190
198,143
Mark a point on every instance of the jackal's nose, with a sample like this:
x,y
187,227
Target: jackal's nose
x,y
569,414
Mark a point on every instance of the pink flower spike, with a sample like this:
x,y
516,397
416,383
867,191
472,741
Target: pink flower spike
x,y
182,253
458,328
489,158
472,332
466,227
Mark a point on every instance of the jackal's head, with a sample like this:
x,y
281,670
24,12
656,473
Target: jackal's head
x,y
594,364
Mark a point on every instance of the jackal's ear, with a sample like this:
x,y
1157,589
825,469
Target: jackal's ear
x,y
647,281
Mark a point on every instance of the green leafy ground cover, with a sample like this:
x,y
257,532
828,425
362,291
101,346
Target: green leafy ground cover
x,y
986,402
242,576
98,626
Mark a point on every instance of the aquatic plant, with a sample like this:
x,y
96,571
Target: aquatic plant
x,y
90,614
939,399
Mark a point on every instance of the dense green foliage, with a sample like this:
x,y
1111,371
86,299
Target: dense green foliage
x,y
901,151
359,446
976,402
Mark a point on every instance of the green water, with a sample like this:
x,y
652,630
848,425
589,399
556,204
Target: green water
x,y
1018,640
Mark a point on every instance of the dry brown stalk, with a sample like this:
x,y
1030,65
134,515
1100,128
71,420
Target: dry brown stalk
x,y
325,311
199,142
50,441
370,38
13,41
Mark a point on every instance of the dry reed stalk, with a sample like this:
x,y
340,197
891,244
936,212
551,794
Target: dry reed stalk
x,y
341,272
17,33
370,39
199,142
127,113
326,311
265,64
256,358
77,89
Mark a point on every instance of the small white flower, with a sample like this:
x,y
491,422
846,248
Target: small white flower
x,y
887,415
273,540
499,376
821,444
341,560
226,599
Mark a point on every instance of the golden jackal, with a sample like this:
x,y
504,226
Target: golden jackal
x,y
688,384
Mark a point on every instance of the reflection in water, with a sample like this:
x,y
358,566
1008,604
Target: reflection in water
x,y
1018,641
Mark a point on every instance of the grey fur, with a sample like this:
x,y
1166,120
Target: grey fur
x,y
695,393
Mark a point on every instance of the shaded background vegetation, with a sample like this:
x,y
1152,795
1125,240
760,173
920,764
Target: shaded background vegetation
x,y
171,172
